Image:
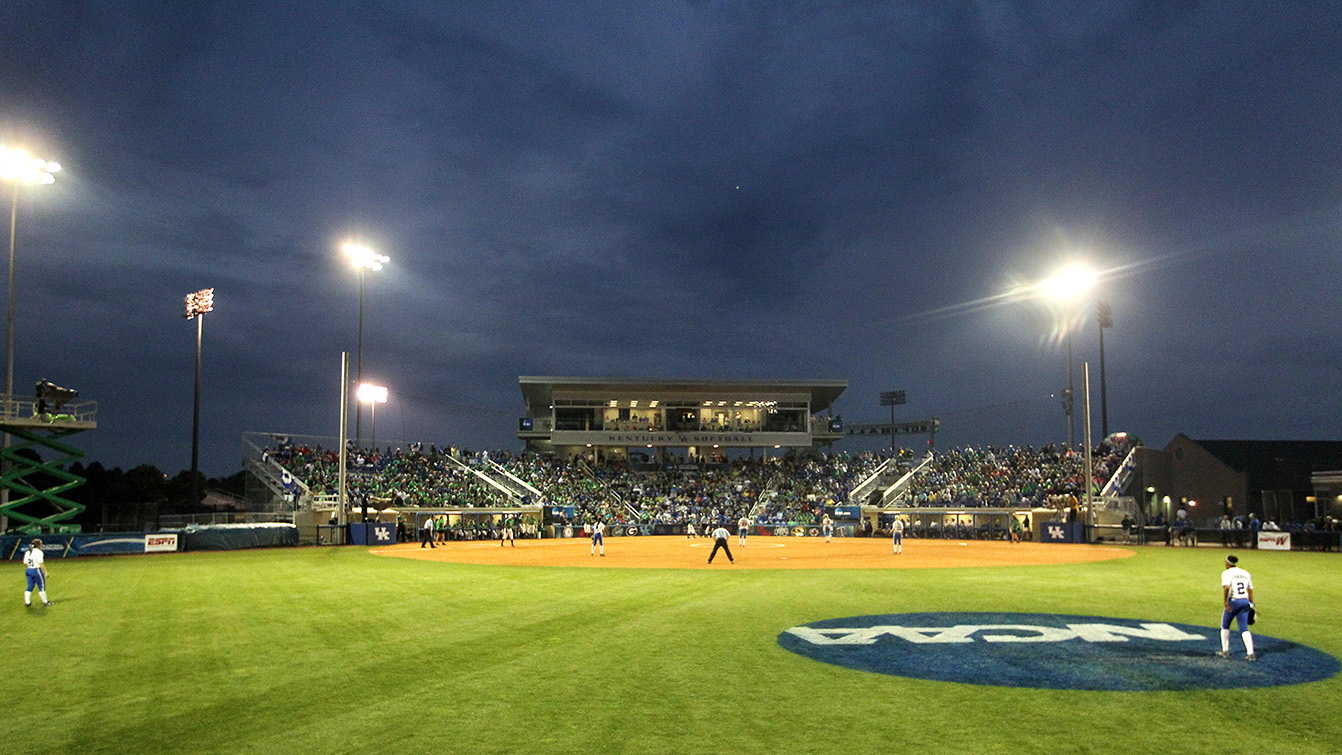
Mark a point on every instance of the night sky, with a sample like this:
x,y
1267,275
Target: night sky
x,y
661,189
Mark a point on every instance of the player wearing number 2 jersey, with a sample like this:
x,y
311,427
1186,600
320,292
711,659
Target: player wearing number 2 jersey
x,y
1237,596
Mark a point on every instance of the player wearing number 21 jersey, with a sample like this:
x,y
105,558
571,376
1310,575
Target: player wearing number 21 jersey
x,y
35,570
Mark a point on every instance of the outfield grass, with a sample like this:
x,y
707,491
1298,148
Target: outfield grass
x,y
338,650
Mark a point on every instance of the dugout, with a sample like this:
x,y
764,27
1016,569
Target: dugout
x,y
473,523
955,523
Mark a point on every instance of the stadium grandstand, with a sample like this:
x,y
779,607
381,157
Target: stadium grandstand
x,y
671,456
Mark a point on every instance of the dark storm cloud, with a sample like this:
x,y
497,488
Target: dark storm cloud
x,y
710,189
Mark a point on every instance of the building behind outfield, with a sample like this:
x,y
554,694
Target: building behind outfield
x,y
658,420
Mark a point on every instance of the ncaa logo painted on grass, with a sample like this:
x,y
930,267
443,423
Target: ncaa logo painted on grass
x,y
1051,651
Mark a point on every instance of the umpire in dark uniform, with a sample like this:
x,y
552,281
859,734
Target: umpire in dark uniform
x,y
720,536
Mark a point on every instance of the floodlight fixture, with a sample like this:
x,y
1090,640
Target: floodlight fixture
x,y
198,303
1071,282
18,166
363,257
367,393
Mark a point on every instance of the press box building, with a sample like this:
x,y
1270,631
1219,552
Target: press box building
x,y
655,419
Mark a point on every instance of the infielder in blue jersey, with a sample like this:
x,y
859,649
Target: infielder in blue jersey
x,y
1237,595
35,569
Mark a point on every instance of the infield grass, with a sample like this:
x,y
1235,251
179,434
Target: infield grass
x,y
337,650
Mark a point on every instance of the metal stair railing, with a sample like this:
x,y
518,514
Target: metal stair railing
x,y
270,472
515,481
769,493
1121,476
494,485
893,493
609,491
865,487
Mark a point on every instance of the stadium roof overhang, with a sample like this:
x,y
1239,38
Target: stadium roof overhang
x,y
539,392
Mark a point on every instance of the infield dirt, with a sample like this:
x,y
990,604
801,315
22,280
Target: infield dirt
x,y
760,552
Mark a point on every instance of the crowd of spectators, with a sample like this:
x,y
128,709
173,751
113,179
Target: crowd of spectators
x,y
1013,476
786,490
394,478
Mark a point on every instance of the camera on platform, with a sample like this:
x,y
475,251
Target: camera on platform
x,y
51,397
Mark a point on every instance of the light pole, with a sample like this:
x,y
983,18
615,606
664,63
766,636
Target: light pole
x,y
16,167
1066,287
1104,316
195,308
893,399
364,259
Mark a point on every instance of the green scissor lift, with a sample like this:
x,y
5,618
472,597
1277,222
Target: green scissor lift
x,y
42,510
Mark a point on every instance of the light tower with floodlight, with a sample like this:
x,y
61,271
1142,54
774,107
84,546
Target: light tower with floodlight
x,y
197,305
1067,287
18,167
364,259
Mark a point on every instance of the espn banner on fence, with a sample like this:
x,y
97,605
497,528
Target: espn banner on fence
x,y
103,544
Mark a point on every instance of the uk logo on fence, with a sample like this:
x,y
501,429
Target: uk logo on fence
x,y
1052,651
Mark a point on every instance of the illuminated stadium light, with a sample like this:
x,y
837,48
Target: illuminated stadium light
x,y
199,303
614,403
18,166
1071,282
363,257
722,403
653,404
633,404
195,307
371,394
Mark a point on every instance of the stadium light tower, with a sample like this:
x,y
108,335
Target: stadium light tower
x,y
364,259
18,167
197,305
1104,317
370,394
1066,288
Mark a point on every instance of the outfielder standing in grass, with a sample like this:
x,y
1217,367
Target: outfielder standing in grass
x,y
1237,596
36,572
720,536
